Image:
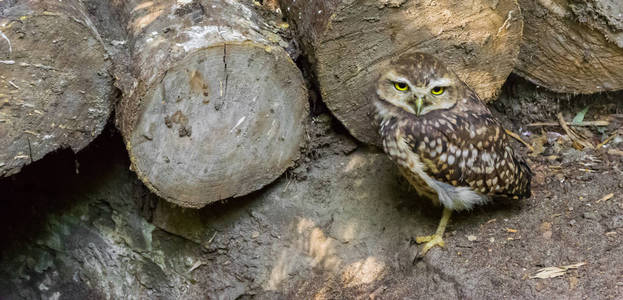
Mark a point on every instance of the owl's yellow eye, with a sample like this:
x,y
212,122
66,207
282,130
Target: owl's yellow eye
x,y
401,86
437,91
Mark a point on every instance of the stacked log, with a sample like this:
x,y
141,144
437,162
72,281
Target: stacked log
x,y
218,109
348,42
213,107
573,46
55,89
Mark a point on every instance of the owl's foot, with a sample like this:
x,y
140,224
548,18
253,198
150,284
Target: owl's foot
x,y
437,238
431,241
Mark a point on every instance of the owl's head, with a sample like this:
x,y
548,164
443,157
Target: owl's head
x,y
418,83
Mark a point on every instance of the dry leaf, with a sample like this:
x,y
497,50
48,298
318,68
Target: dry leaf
x,y
579,142
552,272
606,197
511,230
538,144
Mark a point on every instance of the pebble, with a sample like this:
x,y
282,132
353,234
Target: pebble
x,y
591,216
545,226
616,222
188,262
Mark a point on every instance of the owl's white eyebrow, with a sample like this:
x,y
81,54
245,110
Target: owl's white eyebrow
x,y
397,78
440,82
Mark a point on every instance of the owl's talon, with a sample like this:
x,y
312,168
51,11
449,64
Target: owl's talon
x,y
436,240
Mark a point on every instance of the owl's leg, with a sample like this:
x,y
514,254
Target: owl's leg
x,y
437,238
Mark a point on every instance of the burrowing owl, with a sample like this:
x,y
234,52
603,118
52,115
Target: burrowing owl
x,y
444,139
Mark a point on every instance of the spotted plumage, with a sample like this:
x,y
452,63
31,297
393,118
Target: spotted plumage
x,y
442,136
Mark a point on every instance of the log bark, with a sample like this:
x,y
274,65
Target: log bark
x,y
55,89
349,41
218,108
573,46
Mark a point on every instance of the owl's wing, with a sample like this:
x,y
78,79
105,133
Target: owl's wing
x,y
471,149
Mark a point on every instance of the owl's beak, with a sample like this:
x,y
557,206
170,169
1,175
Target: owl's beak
x,y
419,102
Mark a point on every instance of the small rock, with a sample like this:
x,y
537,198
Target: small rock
x,y
547,235
616,222
188,261
545,226
591,216
539,178
472,238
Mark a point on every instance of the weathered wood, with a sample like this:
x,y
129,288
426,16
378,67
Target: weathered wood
x,y
573,46
348,42
218,108
55,90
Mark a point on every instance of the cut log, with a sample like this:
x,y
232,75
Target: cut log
x,y
218,109
348,42
55,89
573,46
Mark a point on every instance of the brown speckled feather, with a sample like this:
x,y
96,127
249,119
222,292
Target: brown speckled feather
x,y
464,148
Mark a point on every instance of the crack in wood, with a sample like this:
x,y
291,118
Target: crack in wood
x,y
29,149
225,63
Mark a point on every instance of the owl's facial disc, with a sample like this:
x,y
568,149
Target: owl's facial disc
x,y
417,99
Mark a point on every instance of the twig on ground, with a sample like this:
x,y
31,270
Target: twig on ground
x,y
552,272
517,137
607,140
581,124
605,198
576,138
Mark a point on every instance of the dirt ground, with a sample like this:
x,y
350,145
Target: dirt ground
x,y
341,225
